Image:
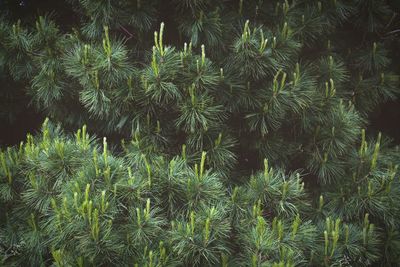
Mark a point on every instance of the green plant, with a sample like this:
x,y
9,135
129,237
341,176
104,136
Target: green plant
x,y
242,127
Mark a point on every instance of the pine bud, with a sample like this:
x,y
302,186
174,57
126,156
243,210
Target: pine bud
x,y
224,260
376,152
202,163
280,230
240,7
285,30
326,242
147,211
295,226
106,42
321,203
266,170
184,151
254,260
161,39
207,231
363,146
203,55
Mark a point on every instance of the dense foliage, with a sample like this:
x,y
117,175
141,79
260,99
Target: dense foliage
x,y
68,201
205,104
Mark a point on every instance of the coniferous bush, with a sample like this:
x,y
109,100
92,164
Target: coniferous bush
x,y
236,134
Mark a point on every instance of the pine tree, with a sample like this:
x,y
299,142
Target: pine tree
x,y
69,201
243,127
